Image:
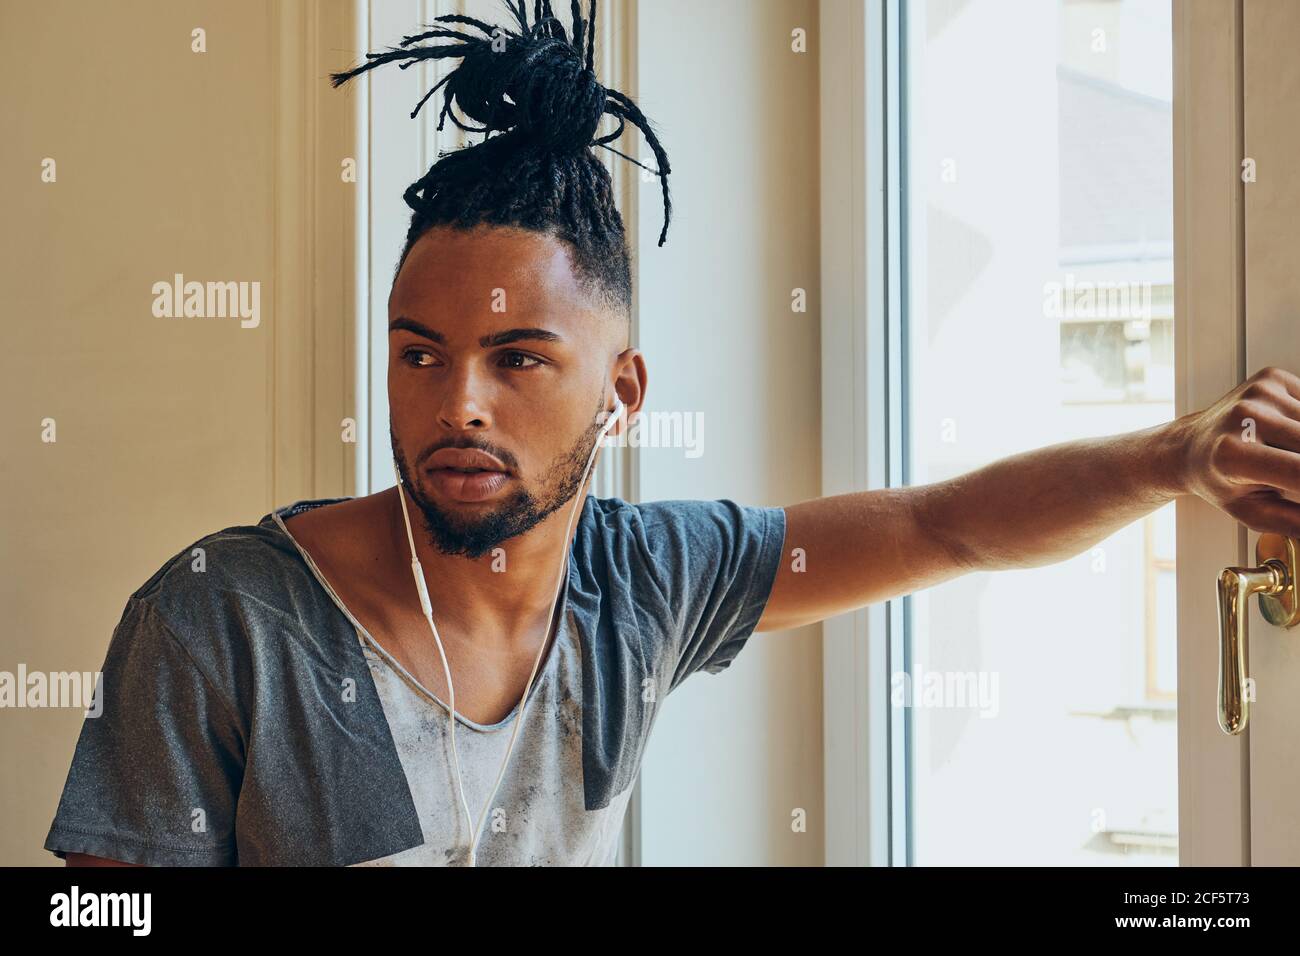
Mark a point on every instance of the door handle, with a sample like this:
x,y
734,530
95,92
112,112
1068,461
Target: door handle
x,y
1275,583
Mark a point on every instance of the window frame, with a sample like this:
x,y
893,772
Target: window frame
x,y
866,741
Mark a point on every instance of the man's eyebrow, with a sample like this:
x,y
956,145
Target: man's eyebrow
x,y
496,338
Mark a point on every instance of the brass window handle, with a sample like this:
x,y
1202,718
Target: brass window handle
x,y
1275,583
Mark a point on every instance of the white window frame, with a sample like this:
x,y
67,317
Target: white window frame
x,y
1209,300
866,805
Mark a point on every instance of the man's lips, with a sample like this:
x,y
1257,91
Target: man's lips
x,y
468,486
465,460
467,474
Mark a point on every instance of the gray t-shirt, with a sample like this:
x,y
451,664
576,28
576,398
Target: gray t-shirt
x,y
249,719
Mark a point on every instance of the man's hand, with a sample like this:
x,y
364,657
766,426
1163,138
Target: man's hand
x,y
1241,452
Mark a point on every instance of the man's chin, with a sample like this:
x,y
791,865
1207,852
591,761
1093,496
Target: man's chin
x,y
473,529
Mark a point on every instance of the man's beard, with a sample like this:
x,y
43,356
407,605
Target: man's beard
x,y
475,537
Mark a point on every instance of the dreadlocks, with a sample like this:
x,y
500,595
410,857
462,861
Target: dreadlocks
x,y
535,88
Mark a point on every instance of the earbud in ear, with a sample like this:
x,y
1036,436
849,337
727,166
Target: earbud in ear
x,y
610,419
607,422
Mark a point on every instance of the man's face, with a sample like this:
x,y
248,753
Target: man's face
x,y
494,346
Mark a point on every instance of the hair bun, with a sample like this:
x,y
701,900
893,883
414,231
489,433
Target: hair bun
x,y
535,85
537,88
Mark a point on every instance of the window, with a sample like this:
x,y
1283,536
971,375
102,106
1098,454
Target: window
x,y
1034,276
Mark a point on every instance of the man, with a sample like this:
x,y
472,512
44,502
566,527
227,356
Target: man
x,y
272,693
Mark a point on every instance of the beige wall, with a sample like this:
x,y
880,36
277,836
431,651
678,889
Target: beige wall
x,y
167,161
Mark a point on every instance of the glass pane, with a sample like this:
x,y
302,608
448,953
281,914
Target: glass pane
x,y
1039,281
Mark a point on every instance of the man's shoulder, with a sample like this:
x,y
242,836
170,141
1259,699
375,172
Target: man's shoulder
x,y
669,519
217,576
662,510
676,538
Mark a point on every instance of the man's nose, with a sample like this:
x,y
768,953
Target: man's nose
x,y
463,404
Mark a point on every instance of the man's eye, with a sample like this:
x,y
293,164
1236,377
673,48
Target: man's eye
x,y
406,357
511,357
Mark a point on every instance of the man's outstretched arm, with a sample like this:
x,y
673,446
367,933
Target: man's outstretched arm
x,y
1241,454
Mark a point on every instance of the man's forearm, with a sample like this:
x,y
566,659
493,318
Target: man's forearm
x,y
1045,505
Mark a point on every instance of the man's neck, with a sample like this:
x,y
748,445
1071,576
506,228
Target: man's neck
x,y
507,592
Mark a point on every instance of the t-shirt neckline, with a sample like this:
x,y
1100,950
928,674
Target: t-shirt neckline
x,y
363,635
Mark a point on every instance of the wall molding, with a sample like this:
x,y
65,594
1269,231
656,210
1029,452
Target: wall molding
x,y
312,363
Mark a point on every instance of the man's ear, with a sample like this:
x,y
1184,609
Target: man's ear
x,y
629,385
